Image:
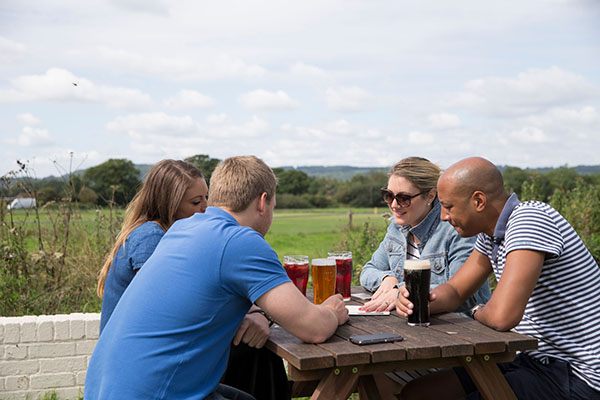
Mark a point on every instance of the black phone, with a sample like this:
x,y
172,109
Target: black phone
x,y
376,338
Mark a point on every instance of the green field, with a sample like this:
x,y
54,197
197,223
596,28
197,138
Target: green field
x,y
315,233
62,258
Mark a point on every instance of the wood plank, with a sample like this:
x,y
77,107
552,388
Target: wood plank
x,y
346,353
379,368
483,344
514,341
299,354
419,342
337,385
303,389
379,352
489,380
367,388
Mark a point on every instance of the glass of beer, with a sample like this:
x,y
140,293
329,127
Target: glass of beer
x,y
297,270
417,276
323,278
343,276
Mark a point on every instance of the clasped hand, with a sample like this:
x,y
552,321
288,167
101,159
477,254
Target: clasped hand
x,y
254,331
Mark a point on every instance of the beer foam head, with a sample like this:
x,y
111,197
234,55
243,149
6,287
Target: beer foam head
x,y
323,261
417,264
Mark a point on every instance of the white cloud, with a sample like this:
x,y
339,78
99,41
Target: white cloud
x,y
529,92
189,99
307,70
264,100
341,126
347,99
31,137
10,50
217,118
444,121
530,134
60,85
155,7
420,138
28,119
208,65
159,123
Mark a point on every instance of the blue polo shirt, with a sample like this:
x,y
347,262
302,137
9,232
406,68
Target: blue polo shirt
x,y
169,335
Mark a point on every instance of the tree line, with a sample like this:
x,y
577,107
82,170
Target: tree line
x,y
116,181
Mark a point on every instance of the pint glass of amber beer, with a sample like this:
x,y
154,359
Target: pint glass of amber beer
x,y
343,276
417,276
297,270
323,278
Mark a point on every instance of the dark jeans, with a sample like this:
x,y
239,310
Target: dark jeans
x,y
225,392
532,379
257,371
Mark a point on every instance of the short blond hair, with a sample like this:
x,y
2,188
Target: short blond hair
x,y
419,171
237,181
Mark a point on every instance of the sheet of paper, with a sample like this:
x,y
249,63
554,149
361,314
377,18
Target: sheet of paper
x,y
354,310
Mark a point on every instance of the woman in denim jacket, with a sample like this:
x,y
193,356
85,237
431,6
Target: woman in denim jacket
x,y
415,232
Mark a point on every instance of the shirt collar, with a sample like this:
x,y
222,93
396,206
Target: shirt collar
x,y
216,211
500,228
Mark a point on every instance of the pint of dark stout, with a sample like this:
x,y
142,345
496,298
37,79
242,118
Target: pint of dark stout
x,y
417,276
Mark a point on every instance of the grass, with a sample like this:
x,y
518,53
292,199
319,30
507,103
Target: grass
x,y
58,273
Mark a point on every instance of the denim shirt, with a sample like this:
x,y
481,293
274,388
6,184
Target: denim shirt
x,y
439,242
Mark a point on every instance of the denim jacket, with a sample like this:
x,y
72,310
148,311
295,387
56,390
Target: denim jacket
x,y
439,243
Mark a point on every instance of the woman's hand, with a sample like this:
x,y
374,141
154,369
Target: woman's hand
x,y
383,299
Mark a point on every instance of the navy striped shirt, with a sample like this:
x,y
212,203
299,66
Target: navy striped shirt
x,y
562,312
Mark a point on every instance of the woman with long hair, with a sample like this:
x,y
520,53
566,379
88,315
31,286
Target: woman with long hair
x,y
173,189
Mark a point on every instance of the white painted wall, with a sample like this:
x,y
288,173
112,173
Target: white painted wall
x,y
46,353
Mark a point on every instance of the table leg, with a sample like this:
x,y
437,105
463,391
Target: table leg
x,y
337,385
487,377
367,388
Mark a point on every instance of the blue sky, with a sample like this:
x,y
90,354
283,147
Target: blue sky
x,y
361,83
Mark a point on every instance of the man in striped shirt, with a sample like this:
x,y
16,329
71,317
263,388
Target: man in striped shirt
x,y
548,288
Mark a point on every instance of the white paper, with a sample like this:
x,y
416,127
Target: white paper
x,y
354,310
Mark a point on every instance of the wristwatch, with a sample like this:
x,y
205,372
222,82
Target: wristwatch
x,y
473,310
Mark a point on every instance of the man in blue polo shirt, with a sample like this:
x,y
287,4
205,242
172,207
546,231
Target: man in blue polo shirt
x,y
548,288
170,334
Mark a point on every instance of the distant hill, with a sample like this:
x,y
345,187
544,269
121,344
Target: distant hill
x,y
339,172
346,172
581,169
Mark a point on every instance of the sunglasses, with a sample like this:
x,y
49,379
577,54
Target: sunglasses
x,y
403,200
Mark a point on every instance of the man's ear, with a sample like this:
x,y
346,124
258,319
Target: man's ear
x,y
261,204
479,200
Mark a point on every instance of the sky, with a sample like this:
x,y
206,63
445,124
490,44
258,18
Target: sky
x,y
298,83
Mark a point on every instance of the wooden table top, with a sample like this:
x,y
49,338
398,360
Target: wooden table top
x,y
449,336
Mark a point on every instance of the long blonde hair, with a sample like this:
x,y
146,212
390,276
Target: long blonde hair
x,y
158,201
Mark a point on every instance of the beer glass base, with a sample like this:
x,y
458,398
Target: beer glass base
x,y
419,323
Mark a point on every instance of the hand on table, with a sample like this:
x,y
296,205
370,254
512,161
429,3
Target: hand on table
x,y
254,331
337,305
403,306
383,299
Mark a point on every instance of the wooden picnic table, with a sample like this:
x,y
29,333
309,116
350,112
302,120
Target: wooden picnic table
x,y
336,368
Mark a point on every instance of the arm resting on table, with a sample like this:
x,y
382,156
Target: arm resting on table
x,y
305,320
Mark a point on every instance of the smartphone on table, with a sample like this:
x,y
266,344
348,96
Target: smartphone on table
x,y
376,338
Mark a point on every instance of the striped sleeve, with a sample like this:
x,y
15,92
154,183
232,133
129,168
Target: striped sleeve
x,y
533,228
483,244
